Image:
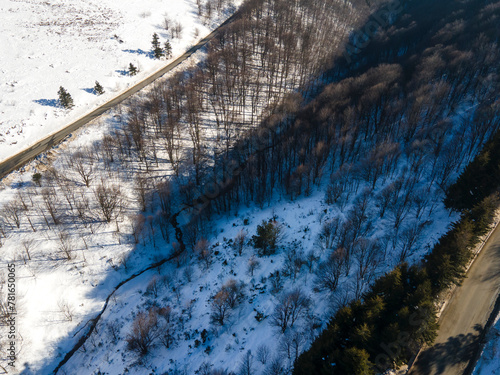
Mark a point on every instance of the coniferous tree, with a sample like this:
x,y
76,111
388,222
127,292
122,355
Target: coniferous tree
x,y
168,49
65,98
157,50
98,88
37,178
132,70
267,237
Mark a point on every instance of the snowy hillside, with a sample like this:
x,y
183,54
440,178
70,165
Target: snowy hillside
x,y
251,334
48,44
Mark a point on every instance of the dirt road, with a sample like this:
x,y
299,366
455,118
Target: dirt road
x,y
465,316
18,160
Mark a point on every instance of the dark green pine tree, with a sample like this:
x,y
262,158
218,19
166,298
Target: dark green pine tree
x,y
98,88
132,70
157,50
65,98
266,238
168,49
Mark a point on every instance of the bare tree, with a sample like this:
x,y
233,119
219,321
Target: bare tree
x,y
253,264
239,241
28,245
177,30
275,367
204,253
368,256
167,22
142,189
310,260
65,244
82,162
328,233
409,238
290,307
246,365
294,260
51,202
145,331
137,225
153,287
11,213
109,199
220,307
328,272
167,326
225,300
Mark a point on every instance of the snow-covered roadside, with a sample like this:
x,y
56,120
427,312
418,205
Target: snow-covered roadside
x,y
489,363
45,45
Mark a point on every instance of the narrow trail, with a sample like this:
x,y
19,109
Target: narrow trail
x,y
92,323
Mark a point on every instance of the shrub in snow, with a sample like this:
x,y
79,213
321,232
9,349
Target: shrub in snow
x,y
259,316
145,331
37,179
132,70
99,90
263,353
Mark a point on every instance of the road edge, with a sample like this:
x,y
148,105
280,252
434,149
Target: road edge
x,y
448,295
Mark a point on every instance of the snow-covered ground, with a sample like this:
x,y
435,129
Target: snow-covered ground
x,y
489,363
57,297
48,44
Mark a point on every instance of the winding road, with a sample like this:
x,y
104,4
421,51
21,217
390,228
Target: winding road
x,y
21,158
465,316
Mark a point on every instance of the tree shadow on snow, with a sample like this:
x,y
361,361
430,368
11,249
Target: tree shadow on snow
x,y
122,72
90,90
140,52
47,102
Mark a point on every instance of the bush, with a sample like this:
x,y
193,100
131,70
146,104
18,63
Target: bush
x,y
99,90
132,70
37,179
145,331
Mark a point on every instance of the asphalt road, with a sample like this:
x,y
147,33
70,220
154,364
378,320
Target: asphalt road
x,y
18,160
465,316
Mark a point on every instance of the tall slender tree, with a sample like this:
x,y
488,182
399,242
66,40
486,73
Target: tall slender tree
x,y
157,50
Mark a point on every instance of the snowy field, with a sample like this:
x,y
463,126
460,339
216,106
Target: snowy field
x,y
489,363
48,44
